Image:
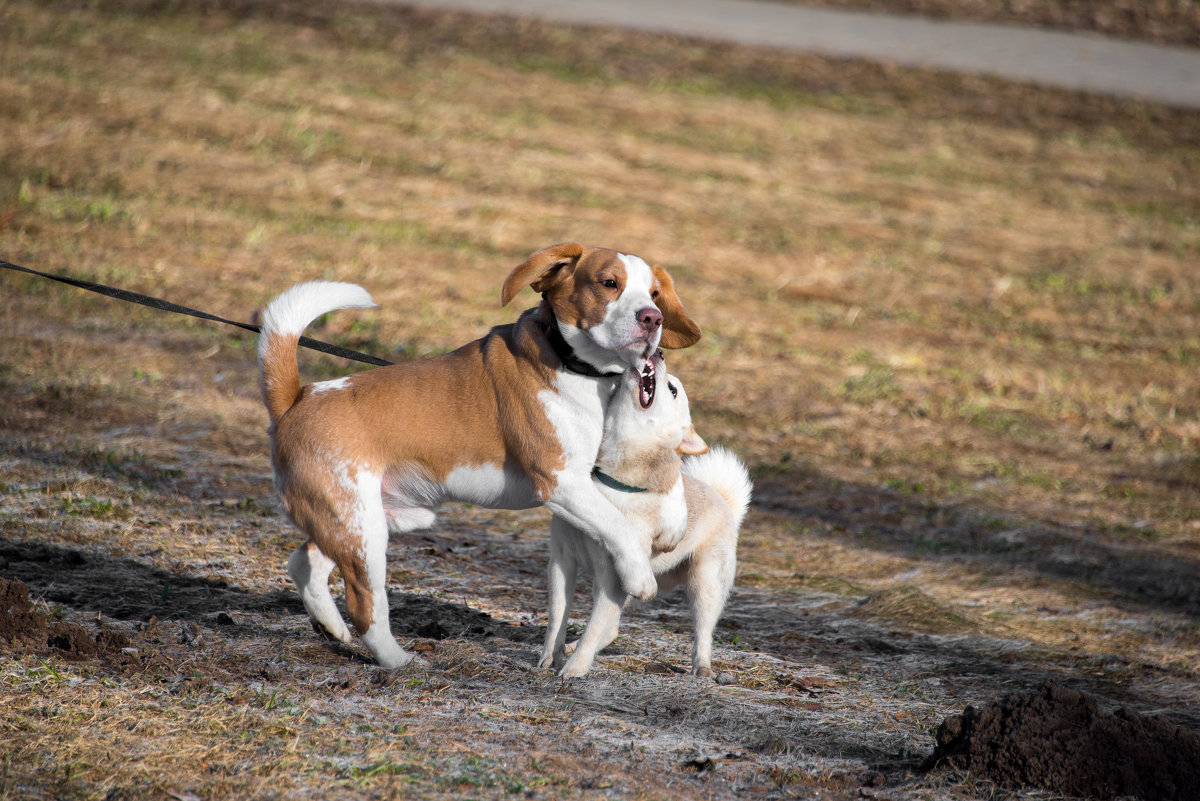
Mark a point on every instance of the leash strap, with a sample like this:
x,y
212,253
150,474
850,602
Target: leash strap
x,y
163,305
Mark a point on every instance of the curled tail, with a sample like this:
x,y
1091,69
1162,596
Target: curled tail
x,y
720,469
282,323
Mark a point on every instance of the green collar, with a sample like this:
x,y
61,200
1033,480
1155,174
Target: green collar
x,y
609,481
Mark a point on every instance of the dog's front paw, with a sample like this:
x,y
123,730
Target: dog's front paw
x,y
638,580
575,668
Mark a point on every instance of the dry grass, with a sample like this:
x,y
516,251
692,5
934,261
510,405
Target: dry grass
x,y
949,322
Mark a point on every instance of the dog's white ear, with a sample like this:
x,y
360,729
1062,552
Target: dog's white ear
x,y
542,270
692,444
679,330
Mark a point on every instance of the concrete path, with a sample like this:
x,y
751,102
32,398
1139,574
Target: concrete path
x,y
1091,63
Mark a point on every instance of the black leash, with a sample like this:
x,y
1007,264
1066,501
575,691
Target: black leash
x,y
162,305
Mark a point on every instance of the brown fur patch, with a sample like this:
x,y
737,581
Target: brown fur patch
x,y
679,330
419,419
280,374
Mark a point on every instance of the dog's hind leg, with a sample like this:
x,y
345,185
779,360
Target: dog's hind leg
x,y
366,590
560,576
710,577
347,519
704,619
310,569
570,647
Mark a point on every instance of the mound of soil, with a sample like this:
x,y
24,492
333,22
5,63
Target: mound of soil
x,y
1058,740
22,626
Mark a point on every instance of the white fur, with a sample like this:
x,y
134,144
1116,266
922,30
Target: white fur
x,y
310,569
571,407
490,487
721,469
372,526
702,556
295,308
408,499
332,385
673,516
573,412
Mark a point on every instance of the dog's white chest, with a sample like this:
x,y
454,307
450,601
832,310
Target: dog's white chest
x,y
575,409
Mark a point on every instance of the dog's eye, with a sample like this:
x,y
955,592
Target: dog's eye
x,y
611,283
674,392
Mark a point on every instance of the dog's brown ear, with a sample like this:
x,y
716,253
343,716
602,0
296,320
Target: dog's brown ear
x,y
679,330
542,270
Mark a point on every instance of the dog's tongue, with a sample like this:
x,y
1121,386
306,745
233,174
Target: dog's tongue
x,y
648,385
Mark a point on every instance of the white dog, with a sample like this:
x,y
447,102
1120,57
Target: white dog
x,y
641,470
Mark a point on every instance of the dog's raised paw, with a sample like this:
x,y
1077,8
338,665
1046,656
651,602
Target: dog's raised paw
x,y
640,582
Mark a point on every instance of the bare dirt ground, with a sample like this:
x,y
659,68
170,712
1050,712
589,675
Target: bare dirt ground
x,y
949,323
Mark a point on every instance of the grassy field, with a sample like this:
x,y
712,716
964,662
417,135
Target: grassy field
x,y
950,323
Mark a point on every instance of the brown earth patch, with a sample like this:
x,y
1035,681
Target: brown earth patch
x,y
1059,740
24,627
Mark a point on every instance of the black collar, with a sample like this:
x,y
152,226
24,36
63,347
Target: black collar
x,y
615,483
566,353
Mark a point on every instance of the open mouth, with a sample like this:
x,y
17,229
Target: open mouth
x,y
648,384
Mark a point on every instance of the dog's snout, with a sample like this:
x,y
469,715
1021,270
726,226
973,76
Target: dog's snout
x,y
650,319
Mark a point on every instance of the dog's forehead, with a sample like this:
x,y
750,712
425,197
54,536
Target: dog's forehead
x,y
637,273
596,259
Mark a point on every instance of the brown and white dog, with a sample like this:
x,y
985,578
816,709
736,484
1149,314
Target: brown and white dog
x,y
641,469
509,421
